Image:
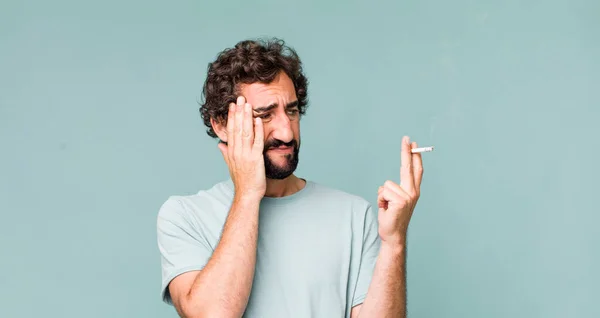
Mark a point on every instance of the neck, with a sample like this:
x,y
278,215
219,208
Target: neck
x,y
279,188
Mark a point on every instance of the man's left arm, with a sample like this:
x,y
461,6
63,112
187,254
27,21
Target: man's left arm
x,y
386,296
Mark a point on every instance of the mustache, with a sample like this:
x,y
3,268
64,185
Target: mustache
x,y
274,143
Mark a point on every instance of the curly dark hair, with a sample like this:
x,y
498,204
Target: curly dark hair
x,y
250,61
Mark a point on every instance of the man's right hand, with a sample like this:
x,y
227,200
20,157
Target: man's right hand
x,y
243,152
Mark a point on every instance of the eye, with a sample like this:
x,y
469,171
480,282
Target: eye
x,y
293,111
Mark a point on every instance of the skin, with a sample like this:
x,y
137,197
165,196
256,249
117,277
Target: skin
x,y
222,288
386,296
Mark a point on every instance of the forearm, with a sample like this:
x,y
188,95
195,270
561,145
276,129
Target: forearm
x,y
386,296
223,287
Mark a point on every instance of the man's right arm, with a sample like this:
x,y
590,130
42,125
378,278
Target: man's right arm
x,y
222,287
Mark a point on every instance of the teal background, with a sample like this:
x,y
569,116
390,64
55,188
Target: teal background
x,y
99,125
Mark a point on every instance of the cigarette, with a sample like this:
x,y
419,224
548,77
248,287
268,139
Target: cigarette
x,y
422,149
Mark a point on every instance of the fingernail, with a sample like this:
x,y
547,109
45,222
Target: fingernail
x,y
247,108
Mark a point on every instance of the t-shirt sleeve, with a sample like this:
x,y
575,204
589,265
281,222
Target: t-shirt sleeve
x,y
370,250
182,247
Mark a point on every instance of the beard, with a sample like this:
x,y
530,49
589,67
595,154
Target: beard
x,y
281,171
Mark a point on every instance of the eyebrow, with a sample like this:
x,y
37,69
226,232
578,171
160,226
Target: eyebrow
x,y
274,105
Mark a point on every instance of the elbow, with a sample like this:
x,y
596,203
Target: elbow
x,y
206,314
188,308
192,309
186,312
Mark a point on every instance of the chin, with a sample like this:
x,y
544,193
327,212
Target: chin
x,y
280,165
277,170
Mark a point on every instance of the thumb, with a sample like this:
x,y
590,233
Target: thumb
x,y
382,201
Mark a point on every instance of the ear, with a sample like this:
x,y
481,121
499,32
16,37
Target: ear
x,y
220,128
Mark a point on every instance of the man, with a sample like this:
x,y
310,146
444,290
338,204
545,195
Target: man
x,y
266,243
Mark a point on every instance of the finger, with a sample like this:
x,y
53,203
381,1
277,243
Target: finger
x,y
386,196
417,169
247,127
382,203
241,100
230,127
396,189
407,181
239,113
239,108
259,138
397,197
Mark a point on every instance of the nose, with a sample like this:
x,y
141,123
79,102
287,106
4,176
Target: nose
x,y
282,129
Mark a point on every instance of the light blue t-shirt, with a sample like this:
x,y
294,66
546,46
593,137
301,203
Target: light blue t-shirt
x,y
316,250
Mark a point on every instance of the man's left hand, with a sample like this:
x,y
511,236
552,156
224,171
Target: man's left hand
x,y
397,202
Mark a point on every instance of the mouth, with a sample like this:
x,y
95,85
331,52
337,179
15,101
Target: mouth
x,y
282,149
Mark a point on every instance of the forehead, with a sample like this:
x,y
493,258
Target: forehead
x,y
280,90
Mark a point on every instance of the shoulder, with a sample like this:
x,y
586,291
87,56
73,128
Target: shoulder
x,y
329,194
179,207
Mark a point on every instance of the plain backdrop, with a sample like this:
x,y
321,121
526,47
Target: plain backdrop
x,y
99,124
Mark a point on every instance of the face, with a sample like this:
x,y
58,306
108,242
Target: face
x,y
277,105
